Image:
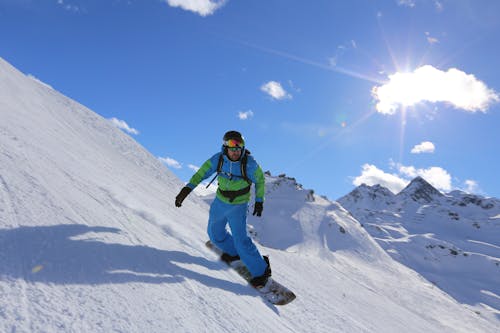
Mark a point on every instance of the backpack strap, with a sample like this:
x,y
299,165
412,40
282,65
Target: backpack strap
x,y
219,168
243,166
219,164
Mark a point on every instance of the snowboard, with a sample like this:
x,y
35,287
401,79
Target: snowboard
x,y
274,292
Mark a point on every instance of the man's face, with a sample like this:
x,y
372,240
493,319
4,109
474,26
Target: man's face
x,y
233,154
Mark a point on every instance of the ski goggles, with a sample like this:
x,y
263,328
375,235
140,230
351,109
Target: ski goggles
x,y
233,144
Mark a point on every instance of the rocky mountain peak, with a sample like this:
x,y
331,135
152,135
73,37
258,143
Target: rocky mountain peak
x,y
367,192
420,190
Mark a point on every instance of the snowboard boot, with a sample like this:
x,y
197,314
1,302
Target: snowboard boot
x,y
228,259
260,281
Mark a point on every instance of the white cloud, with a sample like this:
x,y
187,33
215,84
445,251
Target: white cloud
x,y
193,167
413,3
275,90
68,7
245,115
439,6
424,147
471,186
371,175
292,85
121,124
170,162
407,3
430,39
200,7
333,61
436,176
395,182
340,52
427,83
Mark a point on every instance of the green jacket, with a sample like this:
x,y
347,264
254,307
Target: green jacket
x,y
230,178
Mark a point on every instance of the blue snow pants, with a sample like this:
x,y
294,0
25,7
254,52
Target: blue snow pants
x,y
236,242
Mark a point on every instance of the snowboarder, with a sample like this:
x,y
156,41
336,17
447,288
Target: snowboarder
x,y
236,171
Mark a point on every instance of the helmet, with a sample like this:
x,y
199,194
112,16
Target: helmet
x,y
233,139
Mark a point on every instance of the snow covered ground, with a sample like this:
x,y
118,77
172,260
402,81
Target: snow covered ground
x,y
452,240
90,241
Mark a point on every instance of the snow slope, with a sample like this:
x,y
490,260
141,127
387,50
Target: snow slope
x,y
90,241
451,239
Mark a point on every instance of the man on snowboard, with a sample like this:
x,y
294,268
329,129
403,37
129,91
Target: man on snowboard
x,y
236,171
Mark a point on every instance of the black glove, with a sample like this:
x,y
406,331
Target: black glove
x,y
258,208
182,195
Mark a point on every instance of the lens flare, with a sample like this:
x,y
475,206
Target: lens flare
x,y
36,269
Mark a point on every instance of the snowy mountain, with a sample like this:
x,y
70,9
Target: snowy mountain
x,y
419,190
90,241
451,239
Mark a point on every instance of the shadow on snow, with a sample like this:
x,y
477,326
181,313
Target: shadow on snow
x,y
48,254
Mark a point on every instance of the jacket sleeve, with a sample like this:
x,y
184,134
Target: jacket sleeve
x,y
205,171
257,177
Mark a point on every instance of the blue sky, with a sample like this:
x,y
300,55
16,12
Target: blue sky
x,y
333,93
